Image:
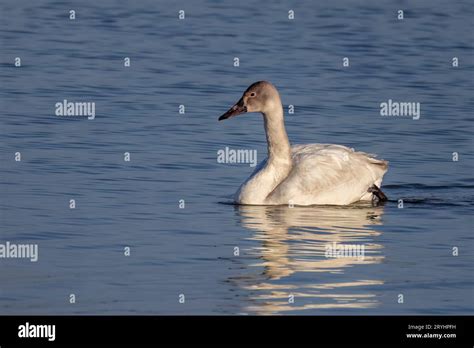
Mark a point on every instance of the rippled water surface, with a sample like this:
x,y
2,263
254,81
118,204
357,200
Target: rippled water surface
x,y
191,251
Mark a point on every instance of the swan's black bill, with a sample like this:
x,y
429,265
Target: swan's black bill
x,y
237,109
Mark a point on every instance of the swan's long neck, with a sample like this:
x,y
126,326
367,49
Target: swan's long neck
x,y
257,188
279,149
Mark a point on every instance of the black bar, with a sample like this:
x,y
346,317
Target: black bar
x,y
289,330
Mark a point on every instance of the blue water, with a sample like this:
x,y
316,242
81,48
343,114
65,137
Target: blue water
x,y
190,251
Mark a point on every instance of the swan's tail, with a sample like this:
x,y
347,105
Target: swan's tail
x,y
382,164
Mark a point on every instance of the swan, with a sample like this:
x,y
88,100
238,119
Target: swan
x,y
311,174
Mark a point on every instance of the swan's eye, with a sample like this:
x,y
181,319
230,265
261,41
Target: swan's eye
x,y
253,94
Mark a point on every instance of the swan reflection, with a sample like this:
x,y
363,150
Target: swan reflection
x,y
320,255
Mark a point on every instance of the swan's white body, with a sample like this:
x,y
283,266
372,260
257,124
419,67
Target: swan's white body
x,y
302,174
320,174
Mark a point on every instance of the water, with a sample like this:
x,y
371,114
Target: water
x,y
191,251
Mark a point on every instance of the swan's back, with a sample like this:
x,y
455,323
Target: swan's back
x,y
328,174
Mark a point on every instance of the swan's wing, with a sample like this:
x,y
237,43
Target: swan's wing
x,y
328,174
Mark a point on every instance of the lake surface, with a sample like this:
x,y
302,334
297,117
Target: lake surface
x,y
282,251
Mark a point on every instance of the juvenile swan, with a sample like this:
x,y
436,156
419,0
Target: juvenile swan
x,y
303,174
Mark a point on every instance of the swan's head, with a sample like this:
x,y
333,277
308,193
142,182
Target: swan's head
x,y
261,96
